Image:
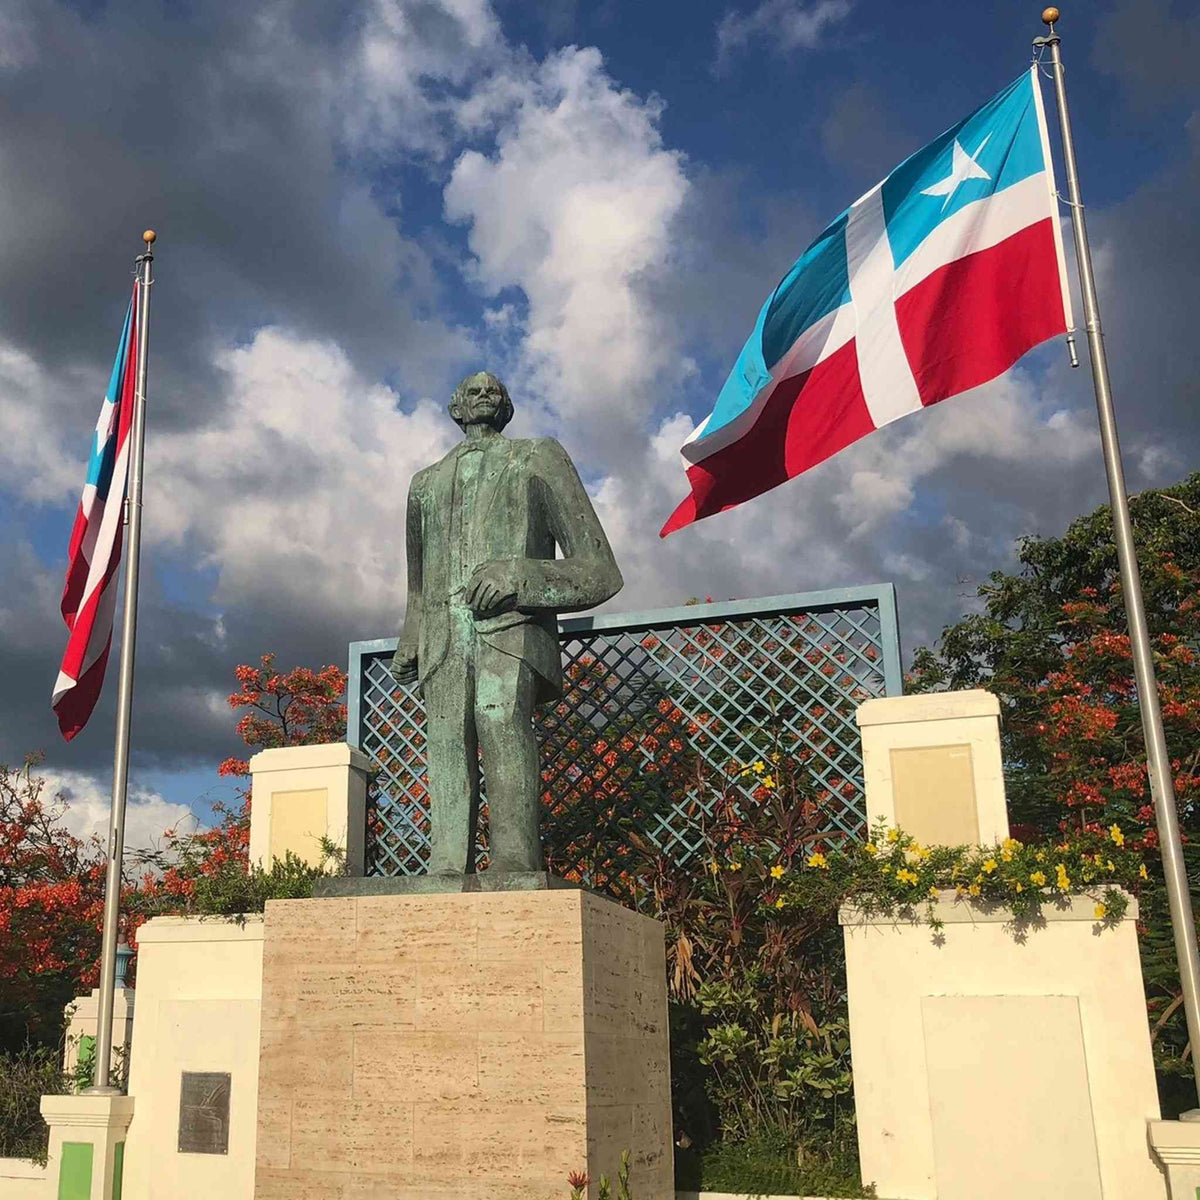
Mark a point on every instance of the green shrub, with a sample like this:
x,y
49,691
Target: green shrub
x,y
26,1076
769,1163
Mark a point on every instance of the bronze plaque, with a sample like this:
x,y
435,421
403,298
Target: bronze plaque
x,y
204,1112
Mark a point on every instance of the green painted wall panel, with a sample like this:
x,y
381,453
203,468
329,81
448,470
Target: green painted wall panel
x,y
75,1171
118,1169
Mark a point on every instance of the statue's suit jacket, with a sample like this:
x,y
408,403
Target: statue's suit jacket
x,y
528,499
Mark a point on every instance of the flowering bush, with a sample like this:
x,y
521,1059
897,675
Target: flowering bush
x,y
892,874
758,1033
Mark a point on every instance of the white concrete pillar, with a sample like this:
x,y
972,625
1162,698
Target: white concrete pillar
x,y
82,1017
932,766
87,1144
301,794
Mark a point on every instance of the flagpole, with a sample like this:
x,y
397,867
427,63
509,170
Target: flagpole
x,y
116,823
1161,784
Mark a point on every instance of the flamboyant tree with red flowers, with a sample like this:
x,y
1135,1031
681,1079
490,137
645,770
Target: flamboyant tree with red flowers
x,y
300,707
52,883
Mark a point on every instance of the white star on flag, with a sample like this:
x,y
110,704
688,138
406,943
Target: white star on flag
x,y
962,167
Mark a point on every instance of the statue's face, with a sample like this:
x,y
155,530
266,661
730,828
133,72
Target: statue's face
x,y
481,400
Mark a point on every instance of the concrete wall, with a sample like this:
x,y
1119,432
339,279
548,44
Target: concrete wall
x,y
986,1063
199,1000
22,1180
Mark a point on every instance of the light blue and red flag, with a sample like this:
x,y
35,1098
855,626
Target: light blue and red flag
x,y
935,281
90,594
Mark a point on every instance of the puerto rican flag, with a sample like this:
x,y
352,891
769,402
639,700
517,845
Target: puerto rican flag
x,y
90,593
935,281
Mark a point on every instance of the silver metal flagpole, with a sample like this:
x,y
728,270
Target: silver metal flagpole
x,y
116,822
1162,787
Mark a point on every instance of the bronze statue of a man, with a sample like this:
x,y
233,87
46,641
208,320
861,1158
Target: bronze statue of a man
x,y
480,631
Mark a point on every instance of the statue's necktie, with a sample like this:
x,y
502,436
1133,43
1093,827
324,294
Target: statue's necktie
x,y
462,514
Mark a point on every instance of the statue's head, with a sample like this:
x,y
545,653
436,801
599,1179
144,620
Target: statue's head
x,y
481,399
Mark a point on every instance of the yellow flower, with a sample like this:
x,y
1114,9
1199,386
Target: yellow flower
x,y
1006,855
1142,872
776,757
1062,880
1038,879
1114,832
990,865
1020,887
714,867
904,875
960,890
776,872
1010,844
1040,856
1109,865
1101,911
933,893
872,849
886,869
779,902
768,781
818,860
974,889
893,835
758,767
735,866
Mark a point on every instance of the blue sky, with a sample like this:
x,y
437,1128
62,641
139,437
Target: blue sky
x,y
359,203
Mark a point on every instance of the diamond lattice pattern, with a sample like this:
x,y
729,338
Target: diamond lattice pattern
x,y
647,716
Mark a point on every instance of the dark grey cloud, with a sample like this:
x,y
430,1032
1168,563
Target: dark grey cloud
x,y
1153,48
222,126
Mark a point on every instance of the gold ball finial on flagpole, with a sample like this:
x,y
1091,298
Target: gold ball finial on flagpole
x,y
150,237
1050,15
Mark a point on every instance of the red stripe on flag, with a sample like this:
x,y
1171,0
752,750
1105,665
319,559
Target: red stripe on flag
x,y
806,420
83,631
973,318
75,707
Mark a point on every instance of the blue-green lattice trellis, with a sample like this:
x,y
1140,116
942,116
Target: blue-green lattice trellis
x,y
653,702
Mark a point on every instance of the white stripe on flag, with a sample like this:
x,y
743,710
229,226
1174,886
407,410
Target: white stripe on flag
x,y
883,368
980,225
1048,159
109,523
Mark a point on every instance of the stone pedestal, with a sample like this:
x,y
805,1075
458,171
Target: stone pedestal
x,y
470,1046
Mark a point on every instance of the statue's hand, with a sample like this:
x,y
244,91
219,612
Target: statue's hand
x,y
493,588
404,666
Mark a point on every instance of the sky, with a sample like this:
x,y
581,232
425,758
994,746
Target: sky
x,y
360,202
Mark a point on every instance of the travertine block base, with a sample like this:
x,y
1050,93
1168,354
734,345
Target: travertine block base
x,y
473,1046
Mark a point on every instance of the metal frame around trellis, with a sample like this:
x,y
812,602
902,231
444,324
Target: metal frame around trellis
x,y
831,748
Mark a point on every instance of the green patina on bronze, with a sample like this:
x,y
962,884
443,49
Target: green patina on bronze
x,y
480,631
